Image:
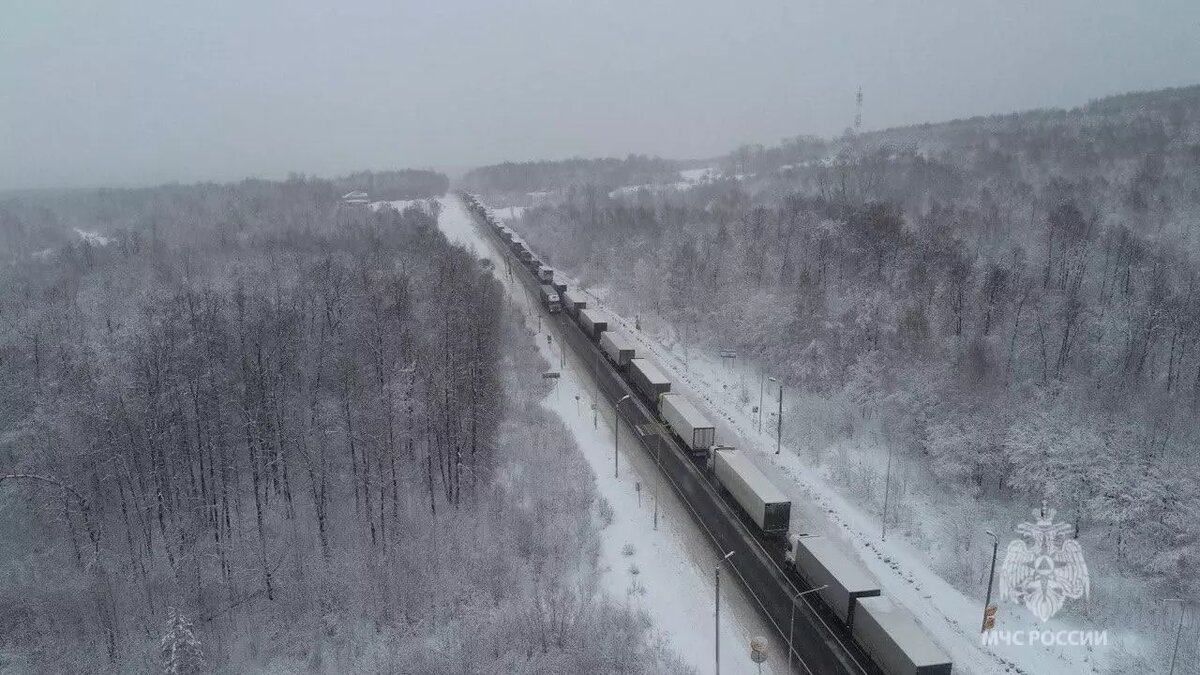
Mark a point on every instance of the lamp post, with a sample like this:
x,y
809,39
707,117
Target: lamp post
x,y
657,474
617,432
1178,631
991,576
779,430
887,492
717,614
760,398
792,622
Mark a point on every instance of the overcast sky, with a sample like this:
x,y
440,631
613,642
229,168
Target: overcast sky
x,y
120,93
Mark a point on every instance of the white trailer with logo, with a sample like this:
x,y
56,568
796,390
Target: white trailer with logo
x,y
767,506
894,640
689,424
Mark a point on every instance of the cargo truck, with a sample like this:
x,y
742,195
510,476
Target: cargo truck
x,y
894,640
689,424
550,299
819,561
545,274
572,301
593,323
559,286
617,348
764,503
648,380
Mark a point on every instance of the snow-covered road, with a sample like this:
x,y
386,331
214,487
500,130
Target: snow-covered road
x,y
668,572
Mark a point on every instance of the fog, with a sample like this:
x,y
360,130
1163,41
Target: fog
x,y
134,93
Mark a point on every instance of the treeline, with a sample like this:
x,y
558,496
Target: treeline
x,y
523,177
393,185
1023,329
291,434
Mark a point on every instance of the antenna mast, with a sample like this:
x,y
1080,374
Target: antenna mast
x,y
858,111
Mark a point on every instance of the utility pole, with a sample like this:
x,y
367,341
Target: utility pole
x,y
657,474
1178,631
717,614
617,432
760,398
779,430
887,491
987,603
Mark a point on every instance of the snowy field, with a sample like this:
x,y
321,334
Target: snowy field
x,y
690,178
668,572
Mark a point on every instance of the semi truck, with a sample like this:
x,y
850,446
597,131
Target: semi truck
x,y
648,379
593,323
758,497
617,348
819,561
550,299
545,274
572,300
894,640
689,424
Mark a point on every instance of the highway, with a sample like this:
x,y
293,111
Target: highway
x,y
822,645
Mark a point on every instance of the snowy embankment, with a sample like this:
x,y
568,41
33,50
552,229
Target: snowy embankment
x,y
690,178
667,572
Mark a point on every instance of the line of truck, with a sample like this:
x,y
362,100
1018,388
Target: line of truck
x,y
887,633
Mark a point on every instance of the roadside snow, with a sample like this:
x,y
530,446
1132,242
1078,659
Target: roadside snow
x,y
668,572
400,204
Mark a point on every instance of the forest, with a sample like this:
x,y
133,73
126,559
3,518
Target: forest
x,y
236,437
1008,303
396,185
522,177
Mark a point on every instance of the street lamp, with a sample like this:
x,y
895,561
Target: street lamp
x,y
717,620
760,397
991,575
617,432
1178,631
657,474
887,493
779,430
792,623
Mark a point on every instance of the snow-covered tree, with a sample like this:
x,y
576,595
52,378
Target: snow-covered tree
x,y
181,651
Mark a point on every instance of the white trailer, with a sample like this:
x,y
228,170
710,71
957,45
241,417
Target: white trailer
x,y
894,640
573,301
593,323
821,564
648,379
617,348
688,423
766,505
